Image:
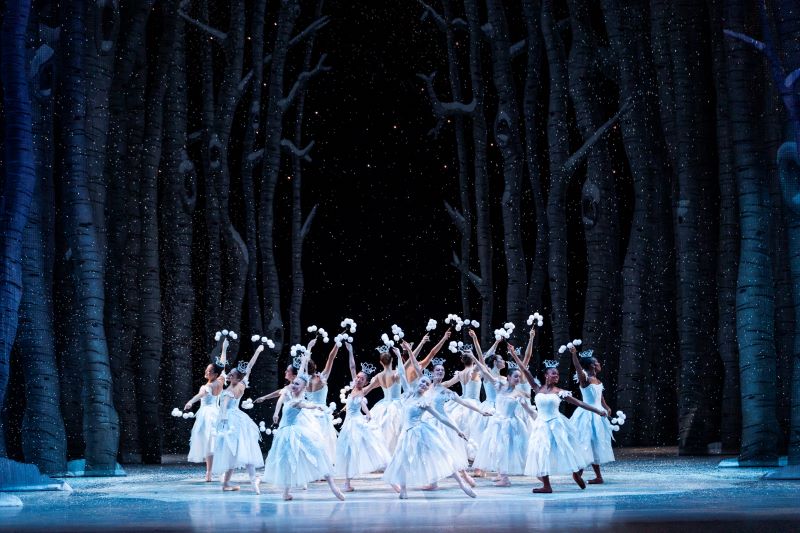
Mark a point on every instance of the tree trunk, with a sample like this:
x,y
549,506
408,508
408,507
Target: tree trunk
x,y
600,203
507,136
101,429
754,297
178,198
695,228
19,177
273,319
42,429
728,248
483,222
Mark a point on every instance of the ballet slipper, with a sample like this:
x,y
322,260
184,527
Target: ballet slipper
x,y
432,486
468,479
257,485
469,492
348,488
403,494
502,483
542,490
396,488
596,481
288,497
579,480
230,488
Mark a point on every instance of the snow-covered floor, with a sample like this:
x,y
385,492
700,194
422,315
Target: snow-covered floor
x,y
649,490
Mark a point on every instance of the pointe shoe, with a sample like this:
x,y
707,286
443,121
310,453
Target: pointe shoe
x,y
338,494
403,494
432,486
230,488
469,492
596,481
257,485
288,497
542,490
579,480
468,479
348,488
396,488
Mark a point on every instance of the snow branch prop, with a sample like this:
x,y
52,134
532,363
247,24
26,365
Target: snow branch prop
x,y
302,153
443,110
225,333
397,332
247,404
301,81
318,332
536,318
569,346
263,340
177,413
455,346
431,325
618,421
575,159
220,36
387,341
505,332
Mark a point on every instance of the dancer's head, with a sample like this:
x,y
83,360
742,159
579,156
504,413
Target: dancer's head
x,y
235,377
498,361
514,378
213,372
590,364
386,359
423,385
290,373
466,359
361,380
438,373
551,375
299,384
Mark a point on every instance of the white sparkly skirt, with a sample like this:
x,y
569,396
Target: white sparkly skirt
x,y
388,416
594,436
201,441
296,457
504,446
236,446
360,448
553,449
422,457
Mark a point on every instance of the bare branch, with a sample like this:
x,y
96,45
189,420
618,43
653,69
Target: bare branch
x,y
307,224
311,29
302,79
195,136
441,109
517,48
792,78
458,219
220,36
461,267
255,156
574,160
302,153
755,43
244,82
437,18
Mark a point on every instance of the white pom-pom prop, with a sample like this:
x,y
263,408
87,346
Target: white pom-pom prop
x,y
453,346
247,404
217,336
577,342
185,415
337,421
562,349
176,412
475,324
255,338
311,329
431,325
233,335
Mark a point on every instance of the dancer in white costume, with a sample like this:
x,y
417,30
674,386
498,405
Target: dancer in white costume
x,y
440,396
237,436
422,454
411,373
360,448
504,446
201,442
553,448
388,412
317,393
470,379
297,456
593,432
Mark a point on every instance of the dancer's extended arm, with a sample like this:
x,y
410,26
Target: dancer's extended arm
x,y
582,379
524,369
445,420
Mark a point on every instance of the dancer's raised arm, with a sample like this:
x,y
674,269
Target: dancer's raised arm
x,y
524,369
582,379
329,363
485,371
529,348
425,362
456,398
223,356
352,362
444,420
272,395
425,339
413,360
477,344
251,363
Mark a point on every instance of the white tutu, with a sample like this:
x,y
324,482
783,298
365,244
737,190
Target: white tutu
x,y
387,414
422,456
505,444
201,442
323,424
236,445
593,432
297,455
553,448
360,448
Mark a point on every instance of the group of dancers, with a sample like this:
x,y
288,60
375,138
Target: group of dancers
x,y
420,432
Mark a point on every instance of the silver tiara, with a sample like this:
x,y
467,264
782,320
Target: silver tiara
x,y
549,363
586,354
383,349
512,365
466,347
428,374
242,367
367,368
297,362
219,362
437,361
304,377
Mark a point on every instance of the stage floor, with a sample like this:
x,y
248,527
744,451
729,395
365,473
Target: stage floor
x,y
650,490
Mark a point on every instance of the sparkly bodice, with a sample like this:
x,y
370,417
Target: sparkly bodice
x,y
393,392
472,390
291,412
505,405
318,397
440,397
593,394
233,403
209,398
547,406
354,406
412,414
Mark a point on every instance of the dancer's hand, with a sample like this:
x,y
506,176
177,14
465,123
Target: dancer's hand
x,y
473,335
187,406
225,343
425,338
602,413
447,334
573,350
533,331
349,347
461,434
260,399
312,343
274,419
369,418
486,413
260,348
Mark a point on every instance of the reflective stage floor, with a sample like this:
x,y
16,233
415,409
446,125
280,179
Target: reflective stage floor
x,y
645,490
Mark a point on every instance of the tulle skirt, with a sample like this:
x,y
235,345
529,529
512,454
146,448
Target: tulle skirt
x,y
504,446
360,448
478,430
296,457
323,423
460,450
594,436
422,457
201,442
553,449
388,416
236,446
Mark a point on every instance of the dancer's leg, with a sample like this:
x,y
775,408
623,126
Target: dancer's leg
x,y
209,464
598,477
334,489
466,488
255,481
545,488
